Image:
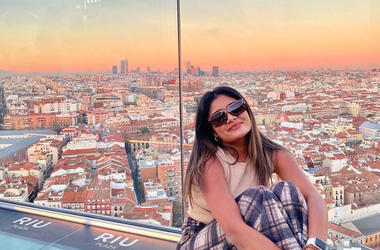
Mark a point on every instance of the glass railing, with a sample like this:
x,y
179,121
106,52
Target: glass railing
x,y
90,94
90,105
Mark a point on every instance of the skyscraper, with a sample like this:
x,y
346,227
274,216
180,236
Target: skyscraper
x,y
122,67
126,65
192,70
215,71
188,70
114,69
198,71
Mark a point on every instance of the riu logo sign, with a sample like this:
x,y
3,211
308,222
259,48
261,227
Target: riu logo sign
x,y
25,222
110,241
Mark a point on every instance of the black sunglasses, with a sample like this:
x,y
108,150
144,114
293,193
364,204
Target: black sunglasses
x,y
235,108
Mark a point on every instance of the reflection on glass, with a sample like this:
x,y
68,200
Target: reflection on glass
x,y
89,107
311,73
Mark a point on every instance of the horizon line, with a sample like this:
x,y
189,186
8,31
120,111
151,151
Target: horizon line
x,y
2,71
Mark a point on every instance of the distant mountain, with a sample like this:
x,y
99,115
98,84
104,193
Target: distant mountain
x,y
6,73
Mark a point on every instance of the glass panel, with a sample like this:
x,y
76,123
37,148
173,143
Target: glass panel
x,y
310,71
79,78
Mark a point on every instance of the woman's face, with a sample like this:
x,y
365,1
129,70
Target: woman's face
x,y
236,127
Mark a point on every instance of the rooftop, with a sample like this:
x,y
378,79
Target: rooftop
x,y
368,225
370,125
15,140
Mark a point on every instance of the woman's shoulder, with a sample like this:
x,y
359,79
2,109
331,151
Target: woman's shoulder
x,y
224,156
281,157
275,152
280,154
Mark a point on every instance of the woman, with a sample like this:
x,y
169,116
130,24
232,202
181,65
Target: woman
x,y
230,203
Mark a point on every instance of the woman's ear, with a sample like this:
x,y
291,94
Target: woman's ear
x,y
217,138
215,134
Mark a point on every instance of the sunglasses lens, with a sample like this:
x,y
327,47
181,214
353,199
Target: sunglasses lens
x,y
236,108
218,118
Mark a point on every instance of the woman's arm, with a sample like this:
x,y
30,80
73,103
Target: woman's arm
x,y
288,169
226,211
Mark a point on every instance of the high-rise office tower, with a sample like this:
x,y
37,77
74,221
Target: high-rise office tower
x,y
192,70
198,71
126,65
215,71
188,70
114,69
122,67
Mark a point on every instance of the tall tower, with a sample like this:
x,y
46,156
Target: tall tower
x,y
114,69
122,67
215,71
126,65
198,71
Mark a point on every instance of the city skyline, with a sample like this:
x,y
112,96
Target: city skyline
x,y
66,36
109,144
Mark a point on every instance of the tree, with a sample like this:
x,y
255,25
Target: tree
x,y
197,99
144,130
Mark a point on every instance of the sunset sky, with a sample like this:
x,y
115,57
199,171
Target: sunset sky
x,y
69,36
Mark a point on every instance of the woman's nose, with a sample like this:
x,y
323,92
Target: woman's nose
x,y
230,117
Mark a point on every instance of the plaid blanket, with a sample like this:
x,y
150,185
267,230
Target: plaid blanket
x,y
278,212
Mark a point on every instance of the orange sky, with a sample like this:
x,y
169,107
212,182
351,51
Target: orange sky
x,y
65,36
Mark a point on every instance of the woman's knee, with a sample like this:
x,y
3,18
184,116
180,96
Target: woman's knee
x,y
278,186
253,191
287,190
255,195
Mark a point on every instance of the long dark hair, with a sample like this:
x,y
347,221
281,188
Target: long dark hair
x,y
260,148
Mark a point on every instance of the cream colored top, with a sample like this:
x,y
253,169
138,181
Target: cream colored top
x,y
238,178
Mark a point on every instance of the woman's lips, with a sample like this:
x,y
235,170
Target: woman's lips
x,y
235,126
